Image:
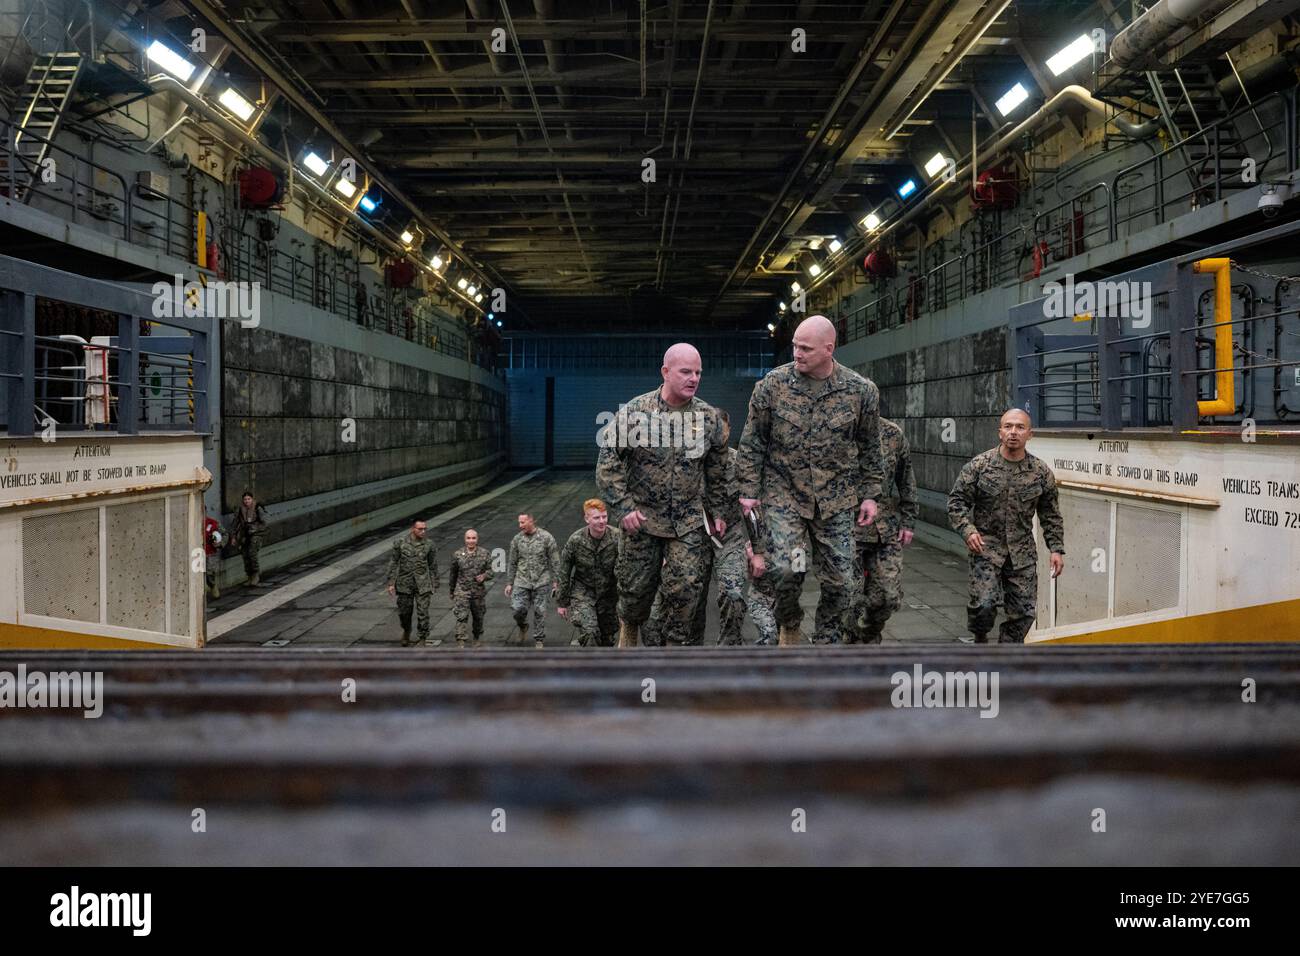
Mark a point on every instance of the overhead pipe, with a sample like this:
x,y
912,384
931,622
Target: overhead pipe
x,y
1144,40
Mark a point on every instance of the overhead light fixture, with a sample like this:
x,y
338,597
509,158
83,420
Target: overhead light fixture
x,y
771,327
814,270
315,164
871,221
346,187
781,306
498,323
835,246
407,238
472,289
937,162
1011,99
232,101
170,60
479,297
368,205
795,286
462,282
436,262
1071,55
907,189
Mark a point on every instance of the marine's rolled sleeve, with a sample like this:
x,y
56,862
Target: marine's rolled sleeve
x,y
752,451
908,505
961,502
870,467
1049,515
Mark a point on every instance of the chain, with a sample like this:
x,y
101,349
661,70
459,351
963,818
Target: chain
x,y
1262,274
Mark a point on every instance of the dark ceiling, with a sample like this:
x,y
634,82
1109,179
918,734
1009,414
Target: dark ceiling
x,y
532,158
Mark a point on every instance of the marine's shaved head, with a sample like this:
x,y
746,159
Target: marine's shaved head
x,y
814,346
681,374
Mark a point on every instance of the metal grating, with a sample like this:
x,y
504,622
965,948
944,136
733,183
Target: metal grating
x,y
1083,594
61,565
136,547
178,559
1149,559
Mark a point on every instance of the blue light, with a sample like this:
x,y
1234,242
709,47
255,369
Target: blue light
x,y
491,316
498,323
368,204
907,189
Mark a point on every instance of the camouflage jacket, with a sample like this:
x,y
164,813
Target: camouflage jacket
x,y
669,471
413,566
999,498
587,563
898,504
465,567
815,455
533,561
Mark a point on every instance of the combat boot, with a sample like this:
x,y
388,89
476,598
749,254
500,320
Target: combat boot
x,y
406,637
629,635
539,644
475,644
982,638
789,636
460,643
214,592
254,579
523,635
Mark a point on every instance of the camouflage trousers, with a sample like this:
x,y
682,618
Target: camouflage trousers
x,y
678,568
652,630
880,569
594,617
468,608
1011,582
249,551
522,599
408,602
829,542
737,594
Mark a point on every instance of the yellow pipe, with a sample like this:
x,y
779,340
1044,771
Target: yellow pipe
x,y
1225,399
201,246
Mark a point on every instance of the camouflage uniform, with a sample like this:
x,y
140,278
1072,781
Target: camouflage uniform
x,y
811,453
670,483
999,498
246,536
413,571
469,596
530,571
880,555
588,587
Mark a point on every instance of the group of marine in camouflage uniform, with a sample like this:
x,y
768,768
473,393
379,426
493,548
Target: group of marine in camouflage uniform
x,y
819,478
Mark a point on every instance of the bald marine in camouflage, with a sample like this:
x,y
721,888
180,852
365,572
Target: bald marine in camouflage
x,y
811,454
734,567
881,543
588,597
532,565
992,506
471,570
662,462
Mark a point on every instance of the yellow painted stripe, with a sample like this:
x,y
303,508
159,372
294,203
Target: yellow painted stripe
x,y
24,636
1263,623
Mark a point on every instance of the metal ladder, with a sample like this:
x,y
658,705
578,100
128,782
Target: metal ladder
x,y
44,100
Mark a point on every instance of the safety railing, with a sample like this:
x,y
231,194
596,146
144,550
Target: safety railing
x,y
1208,339
1200,168
141,375
407,313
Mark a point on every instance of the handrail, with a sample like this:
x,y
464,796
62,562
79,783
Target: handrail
x,y
1225,400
